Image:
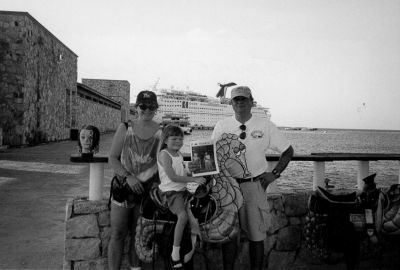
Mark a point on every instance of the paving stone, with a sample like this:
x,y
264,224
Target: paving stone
x,y
82,226
281,260
288,238
99,264
82,206
295,204
82,249
104,218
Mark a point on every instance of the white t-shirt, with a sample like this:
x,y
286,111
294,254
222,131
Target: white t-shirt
x,y
166,184
261,135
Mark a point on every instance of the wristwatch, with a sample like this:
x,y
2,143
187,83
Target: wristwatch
x,y
276,173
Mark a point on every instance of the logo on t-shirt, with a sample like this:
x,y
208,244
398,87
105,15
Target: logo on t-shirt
x,y
257,134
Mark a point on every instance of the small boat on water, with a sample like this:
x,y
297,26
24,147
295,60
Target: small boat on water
x,y
181,120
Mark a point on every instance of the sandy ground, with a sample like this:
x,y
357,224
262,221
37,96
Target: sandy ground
x,y
35,183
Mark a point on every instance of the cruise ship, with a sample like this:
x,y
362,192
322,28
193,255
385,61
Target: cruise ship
x,y
203,111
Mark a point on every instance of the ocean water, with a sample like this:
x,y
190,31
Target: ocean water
x,y
343,174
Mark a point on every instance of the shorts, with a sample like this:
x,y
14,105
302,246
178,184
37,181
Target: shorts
x,y
176,200
253,215
124,204
122,195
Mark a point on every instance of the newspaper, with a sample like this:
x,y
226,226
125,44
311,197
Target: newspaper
x,y
204,153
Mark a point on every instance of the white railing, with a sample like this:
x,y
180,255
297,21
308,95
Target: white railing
x,y
319,159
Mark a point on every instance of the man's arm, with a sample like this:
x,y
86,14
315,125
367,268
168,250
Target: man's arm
x,y
269,177
283,161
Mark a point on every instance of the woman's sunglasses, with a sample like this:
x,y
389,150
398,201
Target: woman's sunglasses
x,y
144,107
243,134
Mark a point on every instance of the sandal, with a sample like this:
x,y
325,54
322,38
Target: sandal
x,y
176,264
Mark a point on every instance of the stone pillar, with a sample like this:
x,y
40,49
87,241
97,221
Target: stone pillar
x,y
96,176
87,234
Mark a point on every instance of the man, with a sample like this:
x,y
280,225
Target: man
x,y
258,135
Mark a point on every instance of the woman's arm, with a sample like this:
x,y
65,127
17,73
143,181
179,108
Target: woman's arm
x,y
166,162
114,159
116,150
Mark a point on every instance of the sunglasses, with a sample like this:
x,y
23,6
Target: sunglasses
x,y
243,134
240,98
144,107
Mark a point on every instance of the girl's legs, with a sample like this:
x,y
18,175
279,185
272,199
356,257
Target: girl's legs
x,y
179,227
119,218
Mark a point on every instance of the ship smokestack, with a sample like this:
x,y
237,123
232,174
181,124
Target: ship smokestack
x,y
224,87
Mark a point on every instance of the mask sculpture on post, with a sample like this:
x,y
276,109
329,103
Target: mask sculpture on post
x,y
89,138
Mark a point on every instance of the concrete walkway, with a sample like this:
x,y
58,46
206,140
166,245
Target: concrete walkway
x,y
35,183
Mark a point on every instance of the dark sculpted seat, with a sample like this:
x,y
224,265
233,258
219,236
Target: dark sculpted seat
x,y
347,198
329,228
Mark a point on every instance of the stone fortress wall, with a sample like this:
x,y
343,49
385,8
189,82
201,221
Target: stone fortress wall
x,y
96,109
39,98
37,72
116,89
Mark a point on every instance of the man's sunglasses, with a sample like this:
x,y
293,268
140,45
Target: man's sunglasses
x,y
144,107
243,134
240,98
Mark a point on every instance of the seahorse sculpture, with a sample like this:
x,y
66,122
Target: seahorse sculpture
x,y
224,223
219,225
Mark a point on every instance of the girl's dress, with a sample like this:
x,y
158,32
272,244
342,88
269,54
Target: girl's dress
x,y
166,183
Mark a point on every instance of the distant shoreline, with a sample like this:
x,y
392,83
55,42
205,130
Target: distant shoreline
x,y
335,129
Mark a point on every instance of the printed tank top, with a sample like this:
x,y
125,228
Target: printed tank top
x,y
139,156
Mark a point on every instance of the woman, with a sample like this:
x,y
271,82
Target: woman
x,y
208,163
133,158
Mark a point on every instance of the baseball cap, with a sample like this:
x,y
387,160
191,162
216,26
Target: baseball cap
x,y
146,97
241,91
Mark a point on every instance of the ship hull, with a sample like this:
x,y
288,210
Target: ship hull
x,y
203,111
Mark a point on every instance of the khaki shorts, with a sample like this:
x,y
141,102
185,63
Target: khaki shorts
x,y
254,212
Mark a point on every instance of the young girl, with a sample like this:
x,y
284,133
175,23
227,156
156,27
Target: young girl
x,y
173,184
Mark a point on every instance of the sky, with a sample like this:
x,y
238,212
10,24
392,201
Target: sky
x,y
313,63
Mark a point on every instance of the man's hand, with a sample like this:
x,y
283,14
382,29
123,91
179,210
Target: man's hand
x,y
266,179
135,184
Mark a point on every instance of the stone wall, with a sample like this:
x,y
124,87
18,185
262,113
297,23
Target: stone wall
x,y
37,71
118,90
87,236
92,113
38,86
